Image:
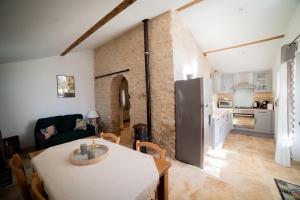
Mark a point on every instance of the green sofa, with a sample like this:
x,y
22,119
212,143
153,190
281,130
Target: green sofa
x,y
65,126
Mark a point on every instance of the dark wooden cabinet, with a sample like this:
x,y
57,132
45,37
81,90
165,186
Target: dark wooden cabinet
x,y
5,172
5,177
11,146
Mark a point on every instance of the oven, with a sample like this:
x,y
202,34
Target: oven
x,y
243,118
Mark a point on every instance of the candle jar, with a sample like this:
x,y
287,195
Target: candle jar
x,y
83,149
91,153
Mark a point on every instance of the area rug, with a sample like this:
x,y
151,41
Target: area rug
x,y
288,191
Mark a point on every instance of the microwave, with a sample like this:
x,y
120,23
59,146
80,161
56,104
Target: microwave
x,y
225,104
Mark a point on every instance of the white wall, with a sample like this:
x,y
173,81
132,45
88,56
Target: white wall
x,y
292,31
187,57
28,92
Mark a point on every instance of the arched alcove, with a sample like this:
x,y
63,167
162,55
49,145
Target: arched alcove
x,y
120,104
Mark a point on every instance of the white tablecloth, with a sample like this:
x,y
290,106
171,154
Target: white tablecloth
x,y
124,174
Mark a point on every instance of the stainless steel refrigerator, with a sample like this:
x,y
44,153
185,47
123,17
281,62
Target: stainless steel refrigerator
x,y
189,104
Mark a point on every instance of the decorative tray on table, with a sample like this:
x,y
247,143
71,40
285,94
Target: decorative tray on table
x,y
101,152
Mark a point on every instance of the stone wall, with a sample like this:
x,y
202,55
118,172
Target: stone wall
x,y
124,52
127,52
162,83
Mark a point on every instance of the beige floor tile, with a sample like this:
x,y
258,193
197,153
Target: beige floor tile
x,y
243,169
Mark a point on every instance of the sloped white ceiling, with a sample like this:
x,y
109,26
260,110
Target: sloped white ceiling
x,y
39,28
221,23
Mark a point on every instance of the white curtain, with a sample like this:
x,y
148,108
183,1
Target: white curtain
x,y
282,154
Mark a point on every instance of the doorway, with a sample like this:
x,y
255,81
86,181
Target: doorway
x,y
120,108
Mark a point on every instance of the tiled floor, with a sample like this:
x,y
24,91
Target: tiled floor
x,y
126,137
243,169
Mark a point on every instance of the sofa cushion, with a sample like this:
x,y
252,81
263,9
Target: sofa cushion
x,y
67,137
46,122
49,131
68,123
81,124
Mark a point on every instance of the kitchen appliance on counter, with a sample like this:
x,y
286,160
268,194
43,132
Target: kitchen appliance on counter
x,y
264,104
256,104
243,118
270,106
190,122
225,104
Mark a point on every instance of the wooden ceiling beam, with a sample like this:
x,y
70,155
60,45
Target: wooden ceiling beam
x,y
244,44
122,6
192,3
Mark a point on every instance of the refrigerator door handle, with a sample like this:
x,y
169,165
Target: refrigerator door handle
x,y
209,120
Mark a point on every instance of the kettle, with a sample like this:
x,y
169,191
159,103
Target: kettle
x,y
255,104
264,104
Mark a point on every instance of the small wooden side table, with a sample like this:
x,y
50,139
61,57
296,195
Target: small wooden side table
x,y
11,145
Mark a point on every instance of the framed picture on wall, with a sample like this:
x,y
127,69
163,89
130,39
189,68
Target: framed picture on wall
x,y
65,86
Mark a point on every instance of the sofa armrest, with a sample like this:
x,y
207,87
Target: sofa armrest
x,y
91,129
40,141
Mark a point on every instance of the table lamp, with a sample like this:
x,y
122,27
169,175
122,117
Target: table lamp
x,y
92,117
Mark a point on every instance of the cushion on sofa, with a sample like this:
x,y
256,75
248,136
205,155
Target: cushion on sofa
x,y
81,124
67,137
46,122
68,123
49,131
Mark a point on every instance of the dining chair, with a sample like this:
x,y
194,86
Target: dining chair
x,y
37,188
17,167
155,147
110,136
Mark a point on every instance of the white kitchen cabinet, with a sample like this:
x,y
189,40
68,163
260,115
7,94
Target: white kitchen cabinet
x,y
263,81
223,83
227,82
263,121
221,128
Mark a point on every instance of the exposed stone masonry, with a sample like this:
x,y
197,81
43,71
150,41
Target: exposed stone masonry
x,y
126,52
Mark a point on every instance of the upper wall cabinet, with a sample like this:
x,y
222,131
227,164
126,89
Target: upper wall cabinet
x,y
227,82
223,83
263,81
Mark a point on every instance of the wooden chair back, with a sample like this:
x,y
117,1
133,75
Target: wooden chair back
x,y
111,136
37,187
17,167
155,147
